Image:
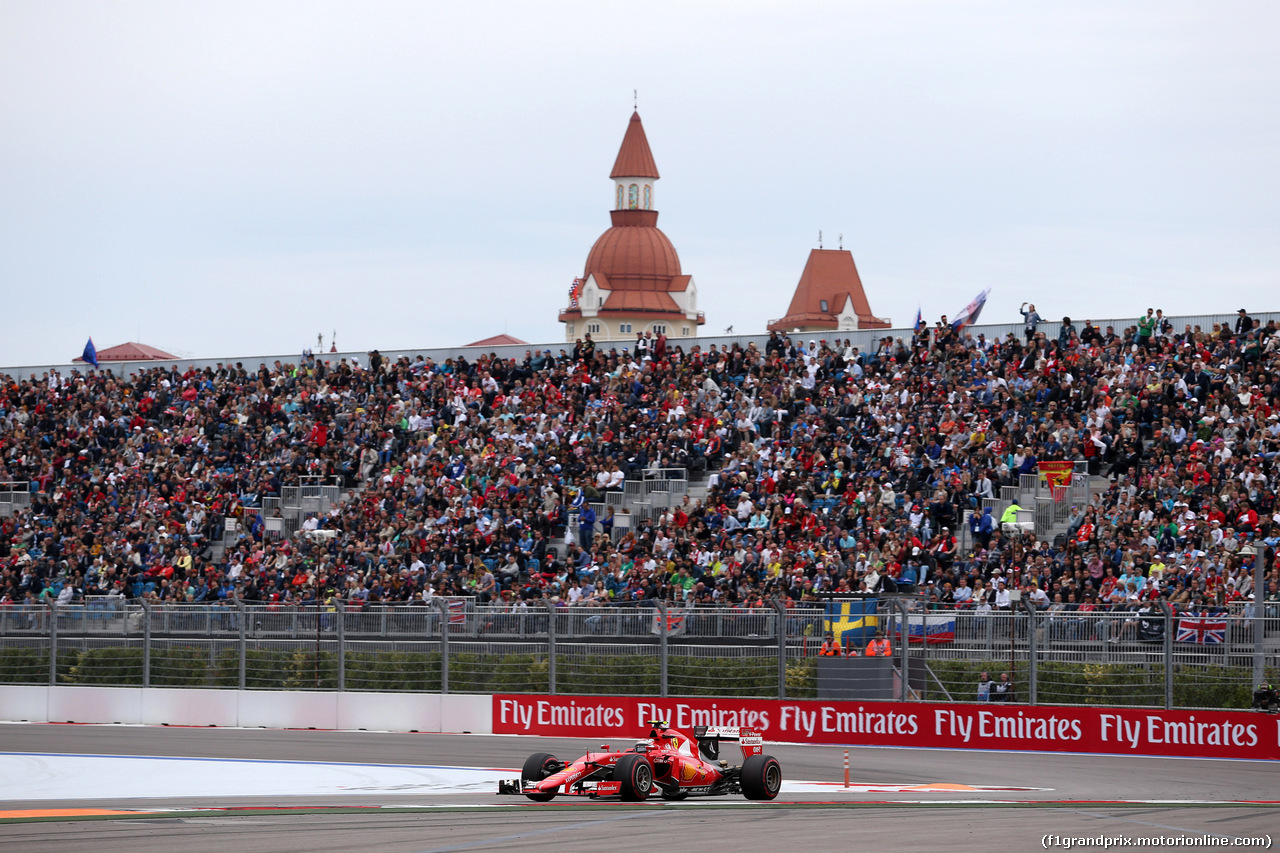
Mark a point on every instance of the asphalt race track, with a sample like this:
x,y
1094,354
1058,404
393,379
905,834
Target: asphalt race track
x,y
198,789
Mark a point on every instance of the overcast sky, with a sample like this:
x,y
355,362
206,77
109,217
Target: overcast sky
x,y
234,178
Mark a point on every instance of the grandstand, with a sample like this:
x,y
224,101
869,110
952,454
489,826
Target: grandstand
x,y
746,473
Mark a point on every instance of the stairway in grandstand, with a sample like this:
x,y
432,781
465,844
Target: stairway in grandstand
x,y
645,495
1039,512
284,515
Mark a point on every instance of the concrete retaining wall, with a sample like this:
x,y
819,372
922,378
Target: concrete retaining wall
x,y
272,709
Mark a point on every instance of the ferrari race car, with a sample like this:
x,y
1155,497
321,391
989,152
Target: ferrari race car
x,y
668,761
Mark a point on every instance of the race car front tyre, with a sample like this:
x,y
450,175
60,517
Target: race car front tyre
x,y
636,775
537,767
761,777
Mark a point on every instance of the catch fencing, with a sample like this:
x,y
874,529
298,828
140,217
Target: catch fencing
x,y
1154,659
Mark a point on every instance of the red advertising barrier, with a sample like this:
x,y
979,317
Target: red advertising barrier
x,y
1043,728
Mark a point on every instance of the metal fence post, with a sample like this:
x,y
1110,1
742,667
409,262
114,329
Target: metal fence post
x,y
146,642
53,642
662,648
924,652
1262,562
905,669
243,655
1169,628
443,607
1032,647
781,615
551,646
342,644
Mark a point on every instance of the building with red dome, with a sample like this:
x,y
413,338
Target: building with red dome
x,y
632,281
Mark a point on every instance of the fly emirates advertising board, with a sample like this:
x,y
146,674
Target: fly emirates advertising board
x,y
1123,731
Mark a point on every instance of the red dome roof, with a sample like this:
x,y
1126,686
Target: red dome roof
x,y
634,258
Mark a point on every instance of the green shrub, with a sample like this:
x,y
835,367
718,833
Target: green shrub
x,y
24,666
608,675
593,673
1114,685
119,667
744,677
393,671
802,679
180,666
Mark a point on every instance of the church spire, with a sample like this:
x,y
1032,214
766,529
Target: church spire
x,y
635,160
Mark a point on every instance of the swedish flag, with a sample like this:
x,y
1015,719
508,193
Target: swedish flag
x,y
851,621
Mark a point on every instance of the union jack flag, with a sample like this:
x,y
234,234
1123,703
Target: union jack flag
x,y
1203,630
574,290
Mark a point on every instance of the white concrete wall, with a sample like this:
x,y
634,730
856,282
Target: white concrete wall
x,y
24,704
390,712
95,705
195,707
422,712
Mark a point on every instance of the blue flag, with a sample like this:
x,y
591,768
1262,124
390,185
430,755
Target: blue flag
x,y
851,621
919,326
90,353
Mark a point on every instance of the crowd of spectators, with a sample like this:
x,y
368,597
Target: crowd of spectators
x,y
830,469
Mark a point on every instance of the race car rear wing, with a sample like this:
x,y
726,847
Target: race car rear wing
x,y
710,737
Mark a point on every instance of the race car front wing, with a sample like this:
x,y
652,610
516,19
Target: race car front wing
x,y
602,788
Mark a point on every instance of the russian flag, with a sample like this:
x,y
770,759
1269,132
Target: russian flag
x,y
969,314
931,627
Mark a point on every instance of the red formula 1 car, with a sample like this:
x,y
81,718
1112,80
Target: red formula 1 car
x,y
667,761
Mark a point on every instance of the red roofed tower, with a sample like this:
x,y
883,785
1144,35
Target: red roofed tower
x,y
829,297
632,281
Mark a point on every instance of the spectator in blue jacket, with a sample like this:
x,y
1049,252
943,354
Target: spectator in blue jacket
x,y
1030,320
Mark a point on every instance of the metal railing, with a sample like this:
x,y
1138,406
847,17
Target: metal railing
x,y
654,490
1155,659
283,515
14,495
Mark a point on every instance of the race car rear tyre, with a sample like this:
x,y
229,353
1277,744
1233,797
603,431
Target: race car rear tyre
x,y
636,775
761,777
537,767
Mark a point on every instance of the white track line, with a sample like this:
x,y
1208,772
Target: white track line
x,y
99,777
